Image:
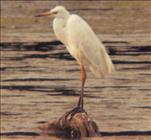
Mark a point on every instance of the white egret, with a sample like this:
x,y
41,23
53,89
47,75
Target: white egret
x,y
82,43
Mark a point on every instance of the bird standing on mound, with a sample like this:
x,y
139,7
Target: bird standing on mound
x,y
82,43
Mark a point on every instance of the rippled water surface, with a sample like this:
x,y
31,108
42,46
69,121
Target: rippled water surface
x,y
40,80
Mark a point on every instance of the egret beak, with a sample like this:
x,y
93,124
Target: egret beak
x,y
44,14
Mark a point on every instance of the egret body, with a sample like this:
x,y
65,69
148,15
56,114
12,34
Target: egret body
x,y
82,43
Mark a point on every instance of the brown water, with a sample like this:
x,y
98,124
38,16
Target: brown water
x,y
40,80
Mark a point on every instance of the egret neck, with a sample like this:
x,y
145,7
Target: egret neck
x,y
59,26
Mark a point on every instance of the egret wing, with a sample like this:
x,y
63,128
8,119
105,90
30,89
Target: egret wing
x,y
81,36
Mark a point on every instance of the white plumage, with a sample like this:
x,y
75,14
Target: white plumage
x,y
82,43
88,45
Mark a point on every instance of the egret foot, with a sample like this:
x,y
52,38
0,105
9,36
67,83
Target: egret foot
x,y
73,125
71,113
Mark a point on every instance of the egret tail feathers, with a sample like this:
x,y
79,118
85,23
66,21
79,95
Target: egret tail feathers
x,y
104,69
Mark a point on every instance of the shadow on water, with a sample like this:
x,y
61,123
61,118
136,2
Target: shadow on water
x,y
128,50
60,55
39,79
24,46
9,114
51,91
124,133
21,87
131,62
19,134
115,42
62,91
17,68
51,46
48,46
38,47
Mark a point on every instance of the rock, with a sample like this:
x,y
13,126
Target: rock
x,y
73,124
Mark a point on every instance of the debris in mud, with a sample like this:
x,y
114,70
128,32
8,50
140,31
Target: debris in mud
x,y
73,124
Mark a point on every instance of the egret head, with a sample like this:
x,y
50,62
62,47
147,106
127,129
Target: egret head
x,y
58,11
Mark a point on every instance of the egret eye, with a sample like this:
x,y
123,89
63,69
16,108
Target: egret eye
x,y
55,12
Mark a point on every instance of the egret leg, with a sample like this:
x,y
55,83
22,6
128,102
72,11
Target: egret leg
x,y
83,79
79,108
